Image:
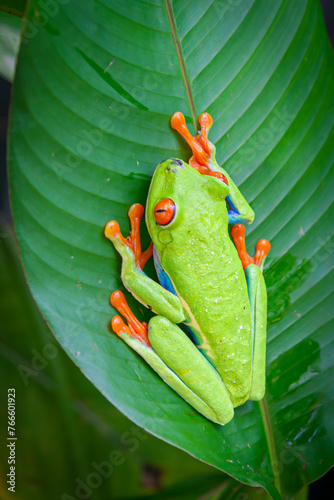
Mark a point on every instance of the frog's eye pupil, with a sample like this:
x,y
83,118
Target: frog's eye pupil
x,y
164,211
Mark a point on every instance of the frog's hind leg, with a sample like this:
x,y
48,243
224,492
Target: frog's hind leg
x,y
167,349
258,302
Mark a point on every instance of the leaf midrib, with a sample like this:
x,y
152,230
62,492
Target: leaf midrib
x,y
181,61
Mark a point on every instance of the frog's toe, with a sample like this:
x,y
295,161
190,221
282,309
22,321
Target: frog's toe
x,y
262,247
178,123
112,230
262,250
135,328
204,152
113,233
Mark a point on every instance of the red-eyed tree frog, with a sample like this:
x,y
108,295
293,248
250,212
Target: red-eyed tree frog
x,y
206,282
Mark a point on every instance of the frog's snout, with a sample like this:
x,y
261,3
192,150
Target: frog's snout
x,y
172,162
177,162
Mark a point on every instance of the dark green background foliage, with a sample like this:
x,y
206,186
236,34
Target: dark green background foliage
x,y
96,84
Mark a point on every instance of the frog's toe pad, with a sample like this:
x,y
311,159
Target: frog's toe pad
x,y
118,326
112,230
135,328
262,250
262,247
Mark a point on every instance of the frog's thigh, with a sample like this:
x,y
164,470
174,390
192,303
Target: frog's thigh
x,y
258,301
150,293
184,359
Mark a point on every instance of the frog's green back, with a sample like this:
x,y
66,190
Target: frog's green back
x,y
196,252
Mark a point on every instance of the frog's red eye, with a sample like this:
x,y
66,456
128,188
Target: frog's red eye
x,y
220,176
164,211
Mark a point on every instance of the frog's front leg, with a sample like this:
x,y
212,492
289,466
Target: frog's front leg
x,y
167,349
257,293
238,208
145,290
204,161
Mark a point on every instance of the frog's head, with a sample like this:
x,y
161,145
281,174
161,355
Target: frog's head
x,y
180,198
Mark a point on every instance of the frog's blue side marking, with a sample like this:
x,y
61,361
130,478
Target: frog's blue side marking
x,y
192,335
233,214
162,275
167,284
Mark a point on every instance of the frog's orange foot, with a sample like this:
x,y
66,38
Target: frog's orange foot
x,y
135,328
262,247
200,145
112,231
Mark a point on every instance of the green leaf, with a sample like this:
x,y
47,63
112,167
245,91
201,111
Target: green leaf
x,y
10,32
15,7
95,87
